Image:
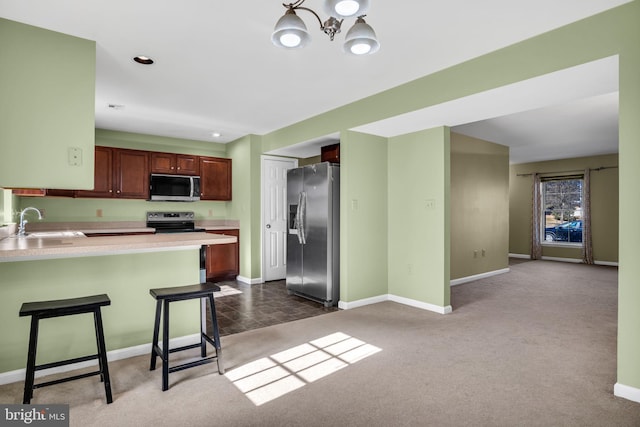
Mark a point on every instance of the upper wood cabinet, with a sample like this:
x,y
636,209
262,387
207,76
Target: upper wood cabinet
x,y
131,174
215,178
119,173
124,173
330,153
168,163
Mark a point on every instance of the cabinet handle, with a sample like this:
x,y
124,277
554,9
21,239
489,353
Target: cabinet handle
x,y
110,191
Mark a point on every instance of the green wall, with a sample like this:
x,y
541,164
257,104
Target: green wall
x,y
47,82
479,206
245,204
363,216
128,321
137,141
604,206
419,180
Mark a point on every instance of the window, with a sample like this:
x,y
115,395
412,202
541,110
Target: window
x,y
562,215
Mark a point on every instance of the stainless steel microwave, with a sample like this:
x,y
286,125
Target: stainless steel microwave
x,y
174,188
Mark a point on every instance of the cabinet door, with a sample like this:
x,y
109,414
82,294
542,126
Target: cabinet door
x,y
131,174
102,175
330,153
163,163
223,261
215,178
187,165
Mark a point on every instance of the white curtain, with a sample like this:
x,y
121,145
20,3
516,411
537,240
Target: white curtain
x,y
536,215
587,250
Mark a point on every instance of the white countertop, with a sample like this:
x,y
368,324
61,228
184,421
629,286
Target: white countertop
x,y
26,249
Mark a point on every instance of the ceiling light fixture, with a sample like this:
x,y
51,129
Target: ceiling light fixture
x,y
291,32
141,59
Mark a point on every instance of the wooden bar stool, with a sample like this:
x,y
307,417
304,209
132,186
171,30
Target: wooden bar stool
x,y
66,307
164,296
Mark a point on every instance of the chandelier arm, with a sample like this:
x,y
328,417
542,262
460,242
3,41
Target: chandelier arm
x,y
314,14
294,4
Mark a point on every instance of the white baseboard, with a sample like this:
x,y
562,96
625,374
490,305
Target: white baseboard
x,y
608,263
522,256
527,256
420,304
477,277
249,281
362,302
402,300
626,392
113,355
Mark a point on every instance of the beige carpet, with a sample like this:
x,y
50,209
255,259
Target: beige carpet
x,y
533,347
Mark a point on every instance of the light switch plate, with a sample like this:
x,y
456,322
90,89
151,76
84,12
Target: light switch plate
x,y
75,156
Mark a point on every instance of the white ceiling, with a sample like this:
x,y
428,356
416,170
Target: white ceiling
x,y
216,69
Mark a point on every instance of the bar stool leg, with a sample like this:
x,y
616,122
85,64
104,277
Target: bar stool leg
x,y
165,347
102,354
203,327
156,331
216,334
31,361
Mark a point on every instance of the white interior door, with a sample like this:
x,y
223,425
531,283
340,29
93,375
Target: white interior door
x,y
274,216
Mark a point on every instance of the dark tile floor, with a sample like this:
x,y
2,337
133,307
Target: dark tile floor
x,y
241,307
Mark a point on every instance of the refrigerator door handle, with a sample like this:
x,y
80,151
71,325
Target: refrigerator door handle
x,y
302,235
298,219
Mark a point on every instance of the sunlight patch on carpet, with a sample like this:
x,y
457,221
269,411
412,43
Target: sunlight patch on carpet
x,y
271,377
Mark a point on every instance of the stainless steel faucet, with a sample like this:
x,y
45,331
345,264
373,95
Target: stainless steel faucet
x,y
23,222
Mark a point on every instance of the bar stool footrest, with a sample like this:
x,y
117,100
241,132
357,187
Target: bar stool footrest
x,y
65,362
188,365
64,380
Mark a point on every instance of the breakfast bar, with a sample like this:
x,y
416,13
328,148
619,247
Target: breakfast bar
x,y
124,267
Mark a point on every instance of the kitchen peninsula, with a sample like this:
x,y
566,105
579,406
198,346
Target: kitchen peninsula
x,y
124,267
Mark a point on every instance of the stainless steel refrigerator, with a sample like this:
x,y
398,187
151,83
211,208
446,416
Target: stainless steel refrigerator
x,y
313,240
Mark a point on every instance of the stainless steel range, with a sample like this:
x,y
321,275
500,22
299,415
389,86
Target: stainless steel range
x,y
172,222
179,222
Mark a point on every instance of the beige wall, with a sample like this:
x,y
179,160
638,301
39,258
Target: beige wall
x,y
479,206
604,206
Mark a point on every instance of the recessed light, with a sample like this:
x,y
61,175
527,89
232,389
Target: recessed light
x,y
216,134
141,59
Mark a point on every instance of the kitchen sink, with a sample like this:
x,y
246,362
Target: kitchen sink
x,y
54,234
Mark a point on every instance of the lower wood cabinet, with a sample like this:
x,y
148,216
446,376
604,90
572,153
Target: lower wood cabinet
x,y
223,261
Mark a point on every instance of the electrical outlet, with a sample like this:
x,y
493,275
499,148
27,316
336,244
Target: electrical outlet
x,y
354,204
430,204
99,213
475,254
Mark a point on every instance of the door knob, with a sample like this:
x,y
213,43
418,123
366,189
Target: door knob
x,y
268,225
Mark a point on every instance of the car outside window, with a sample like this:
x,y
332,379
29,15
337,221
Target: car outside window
x,y
562,215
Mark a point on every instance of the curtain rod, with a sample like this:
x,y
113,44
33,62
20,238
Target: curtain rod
x,y
576,170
